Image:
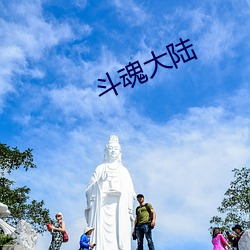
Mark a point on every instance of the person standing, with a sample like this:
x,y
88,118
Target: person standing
x,y
56,231
218,240
239,231
85,239
144,223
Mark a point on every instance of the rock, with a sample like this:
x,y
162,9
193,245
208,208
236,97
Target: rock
x,y
244,242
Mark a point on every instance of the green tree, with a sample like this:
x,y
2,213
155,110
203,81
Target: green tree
x,y
235,207
17,199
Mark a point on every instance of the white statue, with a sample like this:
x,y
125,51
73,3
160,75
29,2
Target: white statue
x,y
4,212
244,242
25,235
110,197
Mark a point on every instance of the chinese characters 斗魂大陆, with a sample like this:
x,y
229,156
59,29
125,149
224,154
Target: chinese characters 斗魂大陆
x,y
133,71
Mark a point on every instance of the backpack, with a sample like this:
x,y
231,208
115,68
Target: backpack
x,y
149,212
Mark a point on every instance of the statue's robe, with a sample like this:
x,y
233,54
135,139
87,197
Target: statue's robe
x,y
244,242
110,197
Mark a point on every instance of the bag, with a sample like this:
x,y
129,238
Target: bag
x,y
150,216
65,236
49,227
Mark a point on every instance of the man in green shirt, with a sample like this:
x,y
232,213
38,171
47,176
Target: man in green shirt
x,y
144,223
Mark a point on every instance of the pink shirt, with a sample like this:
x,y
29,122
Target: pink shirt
x,y
219,242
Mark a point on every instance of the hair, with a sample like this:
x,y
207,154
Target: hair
x,y
214,233
237,227
139,195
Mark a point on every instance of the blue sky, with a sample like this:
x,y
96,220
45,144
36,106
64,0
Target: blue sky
x,y
181,132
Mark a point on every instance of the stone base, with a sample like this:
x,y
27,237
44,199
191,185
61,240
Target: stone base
x,y
13,247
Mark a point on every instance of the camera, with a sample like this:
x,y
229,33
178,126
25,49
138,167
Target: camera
x,y
134,235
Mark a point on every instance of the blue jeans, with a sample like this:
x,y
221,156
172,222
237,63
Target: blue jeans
x,y
142,230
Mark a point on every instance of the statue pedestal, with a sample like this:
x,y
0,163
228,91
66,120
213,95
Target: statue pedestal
x,y
13,247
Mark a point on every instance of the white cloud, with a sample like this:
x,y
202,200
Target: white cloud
x,y
217,42
85,73
80,3
25,39
131,12
240,100
183,167
32,33
214,34
107,62
84,102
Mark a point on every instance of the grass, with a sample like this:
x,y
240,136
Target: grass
x,y
6,240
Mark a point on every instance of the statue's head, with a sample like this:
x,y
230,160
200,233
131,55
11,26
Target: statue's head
x,y
113,150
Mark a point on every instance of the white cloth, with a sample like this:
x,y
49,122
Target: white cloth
x,y
7,229
110,197
4,212
244,242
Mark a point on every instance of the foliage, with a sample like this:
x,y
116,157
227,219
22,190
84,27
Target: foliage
x,y
236,204
6,240
11,159
17,199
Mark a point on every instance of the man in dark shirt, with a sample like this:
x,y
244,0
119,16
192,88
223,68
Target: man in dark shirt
x,y
239,231
144,223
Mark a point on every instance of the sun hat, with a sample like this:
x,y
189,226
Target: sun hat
x,y
87,229
59,213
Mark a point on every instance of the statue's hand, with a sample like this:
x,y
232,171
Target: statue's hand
x,y
132,217
90,202
89,205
